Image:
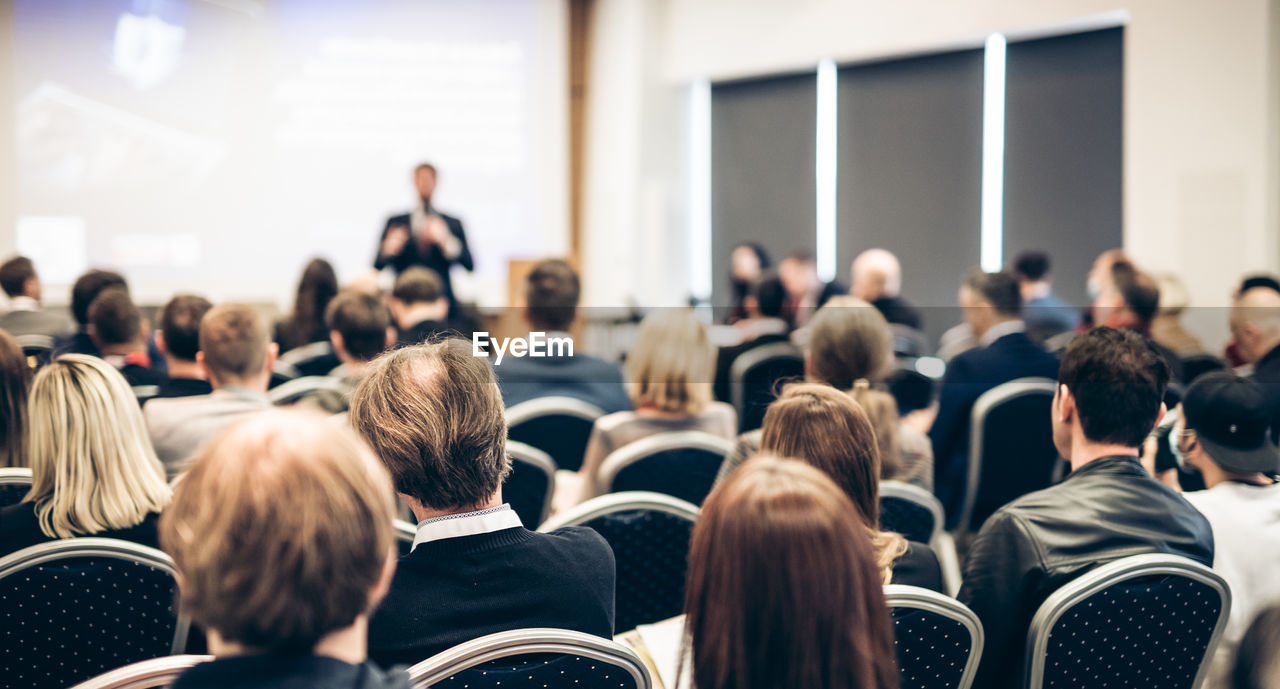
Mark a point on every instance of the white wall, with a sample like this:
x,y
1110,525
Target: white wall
x,y
1201,173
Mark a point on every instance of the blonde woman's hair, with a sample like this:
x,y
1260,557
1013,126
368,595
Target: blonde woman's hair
x,y
670,367
92,465
882,410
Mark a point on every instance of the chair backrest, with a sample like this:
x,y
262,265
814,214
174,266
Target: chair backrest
x,y
146,674
909,343
683,464
145,392
911,511
405,533
1011,450
1142,621
315,359
38,349
559,426
1199,364
649,534
533,658
111,601
15,483
938,640
753,379
531,484
301,388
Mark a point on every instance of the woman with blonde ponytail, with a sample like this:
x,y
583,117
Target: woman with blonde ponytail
x,y
93,470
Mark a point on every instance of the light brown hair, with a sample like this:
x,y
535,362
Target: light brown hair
x,y
15,381
280,530
762,613
829,430
849,340
434,416
418,285
670,366
234,340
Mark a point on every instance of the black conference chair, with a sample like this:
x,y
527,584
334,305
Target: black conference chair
x,y
910,388
682,464
1195,366
649,534
528,658
916,514
909,343
755,376
559,426
109,601
531,485
937,639
1144,622
15,483
145,674
315,359
1011,450
38,349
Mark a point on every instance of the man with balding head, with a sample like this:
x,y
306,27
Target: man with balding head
x,y
1255,327
237,355
877,278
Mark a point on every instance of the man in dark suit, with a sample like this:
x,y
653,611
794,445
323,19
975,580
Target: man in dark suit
x,y
992,304
424,236
26,317
877,279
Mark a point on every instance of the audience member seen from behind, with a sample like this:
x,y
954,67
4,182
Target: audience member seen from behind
x,y
1255,331
21,284
1224,434
305,325
121,334
1257,665
762,324
747,263
877,280
759,614
434,416
360,329
1044,313
551,295
992,305
1131,300
418,306
179,340
15,381
669,375
86,288
237,355
806,292
93,470
1109,397
1167,328
824,427
286,605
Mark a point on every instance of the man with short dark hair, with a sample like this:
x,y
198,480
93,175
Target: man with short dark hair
x,y
179,340
237,355
551,306
21,284
1131,300
433,415
1044,313
992,304
120,334
360,329
1109,397
419,306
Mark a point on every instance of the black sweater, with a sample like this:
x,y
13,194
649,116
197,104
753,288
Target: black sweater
x,y
450,591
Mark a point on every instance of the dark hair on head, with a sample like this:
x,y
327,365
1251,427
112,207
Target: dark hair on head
x,y
362,321
426,166
1260,280
801,255
1032,265
418,285
115,318
1118,380
318,286
1256,664
770,295
1000,290
551,294
14,274
762,255
1139,291
15,382
180,325
87,288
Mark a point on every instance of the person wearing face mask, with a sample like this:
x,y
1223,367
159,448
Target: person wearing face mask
x,y
1223,434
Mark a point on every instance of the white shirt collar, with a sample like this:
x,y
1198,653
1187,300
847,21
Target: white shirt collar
x,y
466,524
999,330
23,303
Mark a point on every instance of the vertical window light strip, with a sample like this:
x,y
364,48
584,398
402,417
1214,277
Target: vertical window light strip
x,y
825,171
700,189
992,241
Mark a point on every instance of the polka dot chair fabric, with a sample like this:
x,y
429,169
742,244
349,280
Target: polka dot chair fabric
x,y
533,659
910,511
559,426
680,464
541,671
937,639
1134,631
80,607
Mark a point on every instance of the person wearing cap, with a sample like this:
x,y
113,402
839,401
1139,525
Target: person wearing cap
x,y
1224,434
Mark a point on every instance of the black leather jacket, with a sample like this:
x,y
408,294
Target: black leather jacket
x,y
1107,509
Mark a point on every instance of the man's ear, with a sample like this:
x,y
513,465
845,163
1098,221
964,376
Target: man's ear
x,y
808,364
204,365
273,353
1066,404
391,337
339,345
1164,409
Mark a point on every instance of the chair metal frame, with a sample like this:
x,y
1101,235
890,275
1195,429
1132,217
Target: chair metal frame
x,y
145,674
1000,394
749,359
34,340
312,350
532,456
405,531
1106,576
15,476
941,542
111,548
621,502
635,451
296,389
552,405
521,642
917,598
